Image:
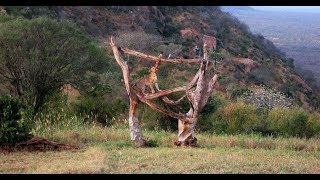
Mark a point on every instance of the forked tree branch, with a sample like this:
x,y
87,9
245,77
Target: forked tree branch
x,y
171,102
161,110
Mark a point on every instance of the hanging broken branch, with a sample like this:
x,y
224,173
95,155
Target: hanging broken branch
x,y
159,109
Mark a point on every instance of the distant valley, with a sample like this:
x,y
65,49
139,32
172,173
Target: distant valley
x,y
295,33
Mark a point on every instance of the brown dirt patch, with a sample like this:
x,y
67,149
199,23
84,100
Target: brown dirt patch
x,y
37,144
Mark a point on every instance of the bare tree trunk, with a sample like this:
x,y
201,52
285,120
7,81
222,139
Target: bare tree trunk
x,y
198,98
134,125
186,134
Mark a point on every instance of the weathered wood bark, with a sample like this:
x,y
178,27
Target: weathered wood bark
x,y
161,110
165,92
134,125
198,92
198,98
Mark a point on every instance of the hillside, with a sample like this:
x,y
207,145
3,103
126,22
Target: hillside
x,y
248,59
295,33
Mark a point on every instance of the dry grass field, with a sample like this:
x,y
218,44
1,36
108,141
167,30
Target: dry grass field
x,y
109,151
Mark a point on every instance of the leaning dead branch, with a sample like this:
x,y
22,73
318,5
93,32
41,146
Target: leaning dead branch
x,y
165,92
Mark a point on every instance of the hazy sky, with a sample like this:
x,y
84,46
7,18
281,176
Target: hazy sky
x,y
289,8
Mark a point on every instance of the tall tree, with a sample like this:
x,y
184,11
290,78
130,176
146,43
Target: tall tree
x,y
39,55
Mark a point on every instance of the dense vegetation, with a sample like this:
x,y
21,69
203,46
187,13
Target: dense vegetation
x,y
15,120
39,55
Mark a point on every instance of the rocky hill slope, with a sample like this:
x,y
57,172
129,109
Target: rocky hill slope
x,y
246,59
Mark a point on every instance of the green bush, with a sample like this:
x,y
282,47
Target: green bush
x,y
235,118
170,28
217,56
154,120
44,54
289,88
5,18
314,100
262,75
313,124
289,122
216,101
262,125
150,119
238,91
103,109
54,112
15,120
144,71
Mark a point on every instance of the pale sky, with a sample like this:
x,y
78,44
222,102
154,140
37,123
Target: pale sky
x,y
289,8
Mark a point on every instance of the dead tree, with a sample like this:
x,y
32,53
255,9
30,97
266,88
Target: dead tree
x,y
197,91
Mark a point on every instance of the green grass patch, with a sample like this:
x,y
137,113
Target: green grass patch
x,y
108,150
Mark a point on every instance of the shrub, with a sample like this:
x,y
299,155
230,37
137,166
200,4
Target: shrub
x,y
54,111
238,91
263,97
56,114
314,100
262,75
4,17
289,122
235,118
15,120
103,109
103,98
41,54
170,28
217,56
144,71
215,102
173,49
154,120
314,124
262,126
139,41
289,88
